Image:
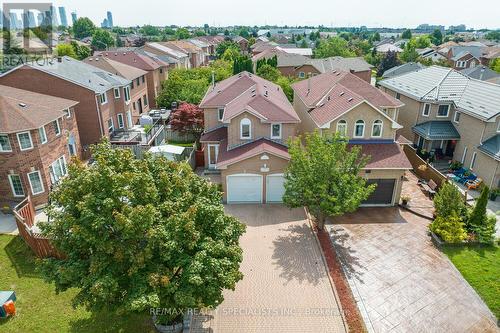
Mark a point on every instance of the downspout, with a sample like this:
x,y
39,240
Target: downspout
x,y
99,116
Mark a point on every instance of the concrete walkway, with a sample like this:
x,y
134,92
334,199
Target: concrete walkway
x,y
8,224
285,287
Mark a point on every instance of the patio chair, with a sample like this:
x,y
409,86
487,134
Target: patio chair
x,y
473,184
459,172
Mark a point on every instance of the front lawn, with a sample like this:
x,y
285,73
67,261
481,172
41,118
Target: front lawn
x,y
480,266
39,309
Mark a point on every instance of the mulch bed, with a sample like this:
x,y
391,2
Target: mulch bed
x,y
351,312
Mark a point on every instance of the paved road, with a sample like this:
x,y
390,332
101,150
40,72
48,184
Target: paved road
x,y
285,287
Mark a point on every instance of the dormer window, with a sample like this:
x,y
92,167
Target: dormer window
x,y
359,129
220,114
245,128
275,131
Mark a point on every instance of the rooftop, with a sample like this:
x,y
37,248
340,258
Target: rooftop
x,y
437,130
115,67
132,58
491,146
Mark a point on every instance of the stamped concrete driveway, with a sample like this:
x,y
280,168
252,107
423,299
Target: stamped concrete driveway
x,y
285,286
401,282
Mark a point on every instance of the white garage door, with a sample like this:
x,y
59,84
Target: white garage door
x,y
244,188
275,188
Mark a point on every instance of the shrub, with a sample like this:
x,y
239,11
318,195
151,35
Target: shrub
x,y
479,222
449,201
449,228
455,165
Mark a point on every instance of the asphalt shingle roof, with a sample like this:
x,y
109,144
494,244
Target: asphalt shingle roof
x,y
437,130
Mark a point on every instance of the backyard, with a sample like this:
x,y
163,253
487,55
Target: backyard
x,y
480,266
38,307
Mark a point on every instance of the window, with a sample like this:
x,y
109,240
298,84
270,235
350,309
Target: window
x,y
498,128
161,70
359,129
220,114
126,93
35,182
68,113
57,128
275,131
427,110
143,79
103,99
111,126
16,185
145,99
377,128
457,117
342,127
116,91
473,161
42,134
129,119
5,143
121,123
398,96
24,140
443,110
245,128
138,81
132,84
58,169
464,155
302,75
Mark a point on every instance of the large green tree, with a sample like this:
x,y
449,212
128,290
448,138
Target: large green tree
x,y
410,53
437,37
139,234
83,27
335,46
324,176
406,34
269,72
102,39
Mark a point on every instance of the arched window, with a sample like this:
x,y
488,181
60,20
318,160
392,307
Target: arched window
x,y
377,128
245,128
359,129
342,127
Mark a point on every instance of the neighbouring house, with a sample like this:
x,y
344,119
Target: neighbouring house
x,y
156,69
138,86
388,47
481,73
212,42
242,42
104,98
248,121
432,54
490,54
261,46
38,137
181,58
340,102
460,57
402,69
196,55
205,47
451,115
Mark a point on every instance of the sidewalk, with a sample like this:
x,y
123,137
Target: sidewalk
x,y
8,224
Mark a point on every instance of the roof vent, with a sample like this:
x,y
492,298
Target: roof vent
x,y
328,98
23,105
350,99
342,94
338,73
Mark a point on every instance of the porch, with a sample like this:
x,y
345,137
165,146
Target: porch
x,y
436,141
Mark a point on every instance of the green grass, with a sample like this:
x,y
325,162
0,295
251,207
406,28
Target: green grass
x,y
38,307
180,143
480,266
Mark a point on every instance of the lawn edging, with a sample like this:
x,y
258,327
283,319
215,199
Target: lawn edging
x,y
343,294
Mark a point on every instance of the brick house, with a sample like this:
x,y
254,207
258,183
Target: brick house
x,y
195,53
38,137
242,42
157,70
104,98
182,60
453,116
248,121
342,102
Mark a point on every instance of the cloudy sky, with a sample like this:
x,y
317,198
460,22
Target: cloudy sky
x,y
372,13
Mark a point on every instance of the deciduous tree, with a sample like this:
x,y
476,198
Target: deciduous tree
x,y
335,46
187,119
83,27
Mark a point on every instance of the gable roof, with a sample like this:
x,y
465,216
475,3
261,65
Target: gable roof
x,y
168,50
115,67
439,84
248,92
356,64
132,58
482,73
458,52
403,69
22,110
227,157
183,46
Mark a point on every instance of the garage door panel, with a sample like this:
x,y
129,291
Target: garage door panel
x,y
383,193
244,188
275,188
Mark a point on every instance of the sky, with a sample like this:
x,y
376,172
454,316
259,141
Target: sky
x,y
378,13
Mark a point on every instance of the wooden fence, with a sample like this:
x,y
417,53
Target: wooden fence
x,y
24,214
171,135
422,168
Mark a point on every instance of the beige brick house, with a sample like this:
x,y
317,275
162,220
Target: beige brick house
x,y
453,116
342,102
248,121
38,137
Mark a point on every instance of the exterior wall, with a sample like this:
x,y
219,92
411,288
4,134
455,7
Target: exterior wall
x,y
210,118
306,122
469,60
308,70
139,92
153,80
388,174
39,158
364,75
252,166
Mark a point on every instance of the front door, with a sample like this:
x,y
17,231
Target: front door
x,y
450,148
213,152
139,105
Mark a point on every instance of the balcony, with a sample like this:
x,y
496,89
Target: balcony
x,y
144,135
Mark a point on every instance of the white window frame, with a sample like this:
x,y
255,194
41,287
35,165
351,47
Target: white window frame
x,y
219,115
245,122
116,93
43,139
41,182
68,113
378,122
126,94
129,119
464,155
342,123
2,150
280,130
61,161
355,125
103,98
12,186
428,111
447,111
19,141
121,122
58,128
473,160
112,127
302,75
498,127
455,117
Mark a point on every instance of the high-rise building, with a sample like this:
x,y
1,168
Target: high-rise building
x,y
104,23
53,12
73,17
40,18
31,19
13,21
109,16
62,16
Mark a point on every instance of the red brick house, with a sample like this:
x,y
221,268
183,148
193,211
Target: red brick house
x,y
38,137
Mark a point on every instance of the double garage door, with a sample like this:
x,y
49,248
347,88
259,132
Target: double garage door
x,y
249,188
383,193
